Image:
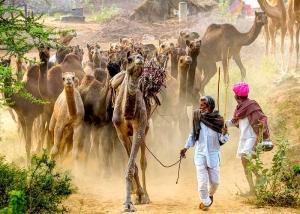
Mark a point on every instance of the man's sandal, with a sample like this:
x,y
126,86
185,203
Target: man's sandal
x,y
205,208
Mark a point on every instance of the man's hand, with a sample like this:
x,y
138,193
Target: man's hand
x,y
224,131
182,153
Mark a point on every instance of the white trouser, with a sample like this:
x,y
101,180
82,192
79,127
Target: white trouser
x,y
205,175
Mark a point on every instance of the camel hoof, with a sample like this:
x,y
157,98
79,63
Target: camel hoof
x,y
142,199
128,207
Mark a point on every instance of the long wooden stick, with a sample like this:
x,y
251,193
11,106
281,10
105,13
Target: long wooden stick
x,y
219,77
226,86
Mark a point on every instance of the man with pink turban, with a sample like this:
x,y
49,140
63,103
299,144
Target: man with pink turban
x,y
250,119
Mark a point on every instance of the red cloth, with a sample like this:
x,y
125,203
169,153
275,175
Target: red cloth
x,y
251,109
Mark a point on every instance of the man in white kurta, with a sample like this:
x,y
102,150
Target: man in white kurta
x,y
207,156
248,117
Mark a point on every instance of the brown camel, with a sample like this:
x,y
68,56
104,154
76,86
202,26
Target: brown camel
x,y
96,97
130,117
184,36
193,50
276,20
68,112
175,54
219,43
26,110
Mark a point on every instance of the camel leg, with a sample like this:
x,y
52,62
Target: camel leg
x,y
210,70
238,61
143,162
283,33
77,137
267,38
27,130
107,149
272,32
58,131
297,46
291,33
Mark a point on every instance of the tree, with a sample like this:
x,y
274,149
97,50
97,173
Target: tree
x,y
18,35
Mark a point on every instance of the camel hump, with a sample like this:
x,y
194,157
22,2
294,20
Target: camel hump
x,y
55,84
70,58
33,72
213,27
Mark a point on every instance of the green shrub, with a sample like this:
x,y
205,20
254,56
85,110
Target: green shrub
x,y
278,185
40,189
104,14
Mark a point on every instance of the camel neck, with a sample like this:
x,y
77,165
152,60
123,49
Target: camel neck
x,y
276,12
69,93
183,69
42,82
247,38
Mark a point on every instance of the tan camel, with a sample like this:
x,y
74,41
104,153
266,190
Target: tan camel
x,y
276,20
26,110
68,112
219,43
130,117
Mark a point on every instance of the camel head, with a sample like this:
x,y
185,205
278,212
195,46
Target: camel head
x,y
44,53
78,51
261,18
184,61
184,36
61,53
96,57
135,64
193,48
69,79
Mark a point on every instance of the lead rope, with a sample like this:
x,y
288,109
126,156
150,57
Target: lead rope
x,y
162,164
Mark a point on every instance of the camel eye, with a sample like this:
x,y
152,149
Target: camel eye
x,y
73,78
64,79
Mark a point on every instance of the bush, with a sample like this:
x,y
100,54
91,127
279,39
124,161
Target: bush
x,y
104,14
39,189
278,185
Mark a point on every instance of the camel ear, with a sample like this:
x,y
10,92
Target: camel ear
x,y
128,54
187,42
181,33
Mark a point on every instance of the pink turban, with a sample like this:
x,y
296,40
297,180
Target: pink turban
x,y
241,89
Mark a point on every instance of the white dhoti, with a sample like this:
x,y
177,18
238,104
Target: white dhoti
x,y
208,180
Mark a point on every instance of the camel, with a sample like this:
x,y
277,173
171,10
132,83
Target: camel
x,y
219,43
175,54
68,112
184,36
96,99
50,86
26,110
193,50
130,118
276,20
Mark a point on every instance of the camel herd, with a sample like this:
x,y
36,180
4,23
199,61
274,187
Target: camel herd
x,y
102,101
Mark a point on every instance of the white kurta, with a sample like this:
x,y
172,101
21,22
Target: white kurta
x,y
247,137
207,160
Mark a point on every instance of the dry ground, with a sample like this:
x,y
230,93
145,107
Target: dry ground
x,y
97,194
